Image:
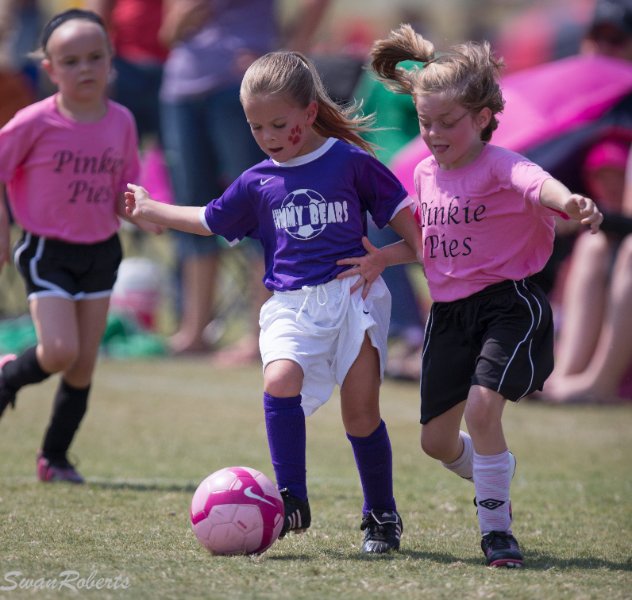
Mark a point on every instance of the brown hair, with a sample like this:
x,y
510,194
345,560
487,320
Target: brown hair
x,y
468,73
291,74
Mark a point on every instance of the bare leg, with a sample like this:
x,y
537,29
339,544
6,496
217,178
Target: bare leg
x,y
199,278
360,393
246,349
483,414
91,320
613,355
56,325
440,436
583,306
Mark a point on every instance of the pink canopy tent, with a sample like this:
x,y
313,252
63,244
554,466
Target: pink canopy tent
x,y
550,110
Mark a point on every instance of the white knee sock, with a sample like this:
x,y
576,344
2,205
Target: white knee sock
x,y
462,466
492,478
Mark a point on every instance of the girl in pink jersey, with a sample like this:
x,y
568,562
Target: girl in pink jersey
x,y
65,161
487,218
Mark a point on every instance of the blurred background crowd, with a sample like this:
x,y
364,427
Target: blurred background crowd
x,y
568,86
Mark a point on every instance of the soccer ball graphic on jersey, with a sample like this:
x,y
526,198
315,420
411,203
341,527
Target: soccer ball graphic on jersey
x,y
237,510
307,202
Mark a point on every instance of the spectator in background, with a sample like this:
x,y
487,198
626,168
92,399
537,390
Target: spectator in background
x,y
610,32
19,27
138,63
207,141
538,33
593,353
139,56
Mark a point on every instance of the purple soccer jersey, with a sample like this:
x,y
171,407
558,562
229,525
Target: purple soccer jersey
x,y
308,212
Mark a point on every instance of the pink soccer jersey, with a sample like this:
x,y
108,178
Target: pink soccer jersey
x,y
482,223
64,178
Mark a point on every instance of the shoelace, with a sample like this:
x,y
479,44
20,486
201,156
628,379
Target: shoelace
x,y
371,523
499,540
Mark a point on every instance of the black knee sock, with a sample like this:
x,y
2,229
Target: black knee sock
x,y
68,411
23,370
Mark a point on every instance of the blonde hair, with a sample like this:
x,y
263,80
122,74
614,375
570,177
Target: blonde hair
x,y
468,73
292,75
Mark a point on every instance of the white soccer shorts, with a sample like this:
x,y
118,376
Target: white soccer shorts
x,y
322,328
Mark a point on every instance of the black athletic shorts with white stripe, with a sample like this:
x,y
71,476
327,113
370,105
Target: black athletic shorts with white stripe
x,y
53,268
500,338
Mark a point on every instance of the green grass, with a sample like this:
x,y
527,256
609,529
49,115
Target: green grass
x,y
155,429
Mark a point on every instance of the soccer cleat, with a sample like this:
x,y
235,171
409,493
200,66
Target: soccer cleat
x,y
58,470
501,550
7,394
383,531
298,516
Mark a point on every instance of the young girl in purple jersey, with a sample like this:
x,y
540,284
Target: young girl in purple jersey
x,y
307,204
66,160
486,216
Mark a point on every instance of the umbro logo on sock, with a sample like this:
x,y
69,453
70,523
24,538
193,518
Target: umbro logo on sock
x,y
490,503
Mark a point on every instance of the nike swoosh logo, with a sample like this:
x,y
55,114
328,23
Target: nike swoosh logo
x,y
366,312
264,181
248,492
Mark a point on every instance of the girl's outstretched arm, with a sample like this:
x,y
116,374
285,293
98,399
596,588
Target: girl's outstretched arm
x,y
138,205
554,194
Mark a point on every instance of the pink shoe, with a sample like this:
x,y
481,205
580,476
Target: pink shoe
x,y
7,394
60,471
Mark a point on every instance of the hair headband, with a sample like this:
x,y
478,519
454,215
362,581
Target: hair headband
x,y
69,15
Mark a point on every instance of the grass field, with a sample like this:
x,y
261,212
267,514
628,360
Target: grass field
x,y
155,429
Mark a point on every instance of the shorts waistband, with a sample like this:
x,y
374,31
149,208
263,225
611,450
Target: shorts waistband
x,y
332,284
491,290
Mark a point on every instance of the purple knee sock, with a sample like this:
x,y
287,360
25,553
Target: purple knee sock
x,y
374,460
285,425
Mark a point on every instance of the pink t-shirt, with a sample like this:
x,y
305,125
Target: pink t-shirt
x,y
64,178
482,223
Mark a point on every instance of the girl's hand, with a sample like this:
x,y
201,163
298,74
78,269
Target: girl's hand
x,y
367,268
134,200
583,209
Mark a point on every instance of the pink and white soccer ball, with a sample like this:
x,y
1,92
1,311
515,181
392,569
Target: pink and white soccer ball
x,y
237,510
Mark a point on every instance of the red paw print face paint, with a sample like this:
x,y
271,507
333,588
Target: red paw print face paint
x,y
281,128
295,135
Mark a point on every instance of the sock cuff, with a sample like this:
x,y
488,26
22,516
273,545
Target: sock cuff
x,y
379,432
463,466
274,403
492,461
66,388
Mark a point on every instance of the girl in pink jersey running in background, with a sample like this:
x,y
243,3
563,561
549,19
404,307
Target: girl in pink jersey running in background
x,y
487,217
66,161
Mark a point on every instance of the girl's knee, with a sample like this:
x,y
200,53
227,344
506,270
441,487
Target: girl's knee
x,y
57,357
283,378
437,447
